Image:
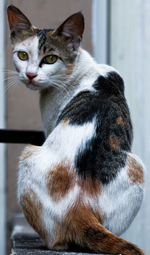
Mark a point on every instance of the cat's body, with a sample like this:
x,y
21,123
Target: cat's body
x,y
83,185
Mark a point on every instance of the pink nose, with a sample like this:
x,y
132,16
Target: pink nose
x,y
31,76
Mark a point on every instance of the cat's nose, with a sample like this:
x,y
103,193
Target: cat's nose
x,y
31,76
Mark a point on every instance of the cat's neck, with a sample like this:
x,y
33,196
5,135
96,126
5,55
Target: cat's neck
x,y
53,100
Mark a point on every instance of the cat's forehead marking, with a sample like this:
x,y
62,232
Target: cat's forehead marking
x,y
42,35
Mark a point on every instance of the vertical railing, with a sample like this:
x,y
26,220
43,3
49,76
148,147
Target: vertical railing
x,y
2,125
100,30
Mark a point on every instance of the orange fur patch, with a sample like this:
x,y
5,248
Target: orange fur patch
x,y
114,142
65,122
32,209
29,150
78,218
60,180
120,121
82,227
70,69
90,186
135,171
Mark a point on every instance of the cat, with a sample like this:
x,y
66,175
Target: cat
x,y
83,186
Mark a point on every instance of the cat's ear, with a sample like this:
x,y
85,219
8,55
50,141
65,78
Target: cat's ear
x,y
72,30
18,22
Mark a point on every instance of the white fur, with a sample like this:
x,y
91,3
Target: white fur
x,y
120,200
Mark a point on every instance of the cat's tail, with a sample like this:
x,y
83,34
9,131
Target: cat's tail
x,y
100,240
86,231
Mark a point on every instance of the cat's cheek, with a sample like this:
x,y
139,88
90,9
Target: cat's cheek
x,y
17,67
52,69
20,66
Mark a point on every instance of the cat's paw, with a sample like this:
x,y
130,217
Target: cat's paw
x,y
60,246
28,151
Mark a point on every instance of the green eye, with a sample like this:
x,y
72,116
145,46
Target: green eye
x,y
50,59
22,55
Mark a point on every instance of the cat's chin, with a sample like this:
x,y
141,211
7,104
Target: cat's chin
x,y
33,86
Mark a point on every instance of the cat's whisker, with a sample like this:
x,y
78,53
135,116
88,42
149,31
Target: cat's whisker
x,y
11,83
56,86
10,78
60,86
10,72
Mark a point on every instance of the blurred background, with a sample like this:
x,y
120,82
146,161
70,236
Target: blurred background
x,y
116,33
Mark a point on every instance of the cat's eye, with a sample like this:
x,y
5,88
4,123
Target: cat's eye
x,y
50,59
22,55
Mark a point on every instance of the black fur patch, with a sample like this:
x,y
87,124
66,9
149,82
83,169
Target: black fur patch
x,y
112,81
103,156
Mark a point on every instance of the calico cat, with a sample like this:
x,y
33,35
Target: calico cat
x,y
83,186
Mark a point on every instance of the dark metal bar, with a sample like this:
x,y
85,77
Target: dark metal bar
x,y
22,136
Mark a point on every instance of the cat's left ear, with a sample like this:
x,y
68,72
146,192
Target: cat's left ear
x,y
72,30
19,24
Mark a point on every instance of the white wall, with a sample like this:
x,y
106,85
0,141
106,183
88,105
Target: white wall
x,y
130,54
2,125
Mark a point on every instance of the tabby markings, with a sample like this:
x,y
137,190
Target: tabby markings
x,y
33,210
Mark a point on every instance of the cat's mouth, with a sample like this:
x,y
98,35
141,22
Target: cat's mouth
x,y
31,84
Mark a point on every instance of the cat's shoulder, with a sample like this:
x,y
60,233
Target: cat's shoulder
x,y
111,76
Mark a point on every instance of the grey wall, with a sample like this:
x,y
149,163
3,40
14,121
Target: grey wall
x,y
130,54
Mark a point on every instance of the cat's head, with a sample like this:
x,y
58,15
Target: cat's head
x,y
43,56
